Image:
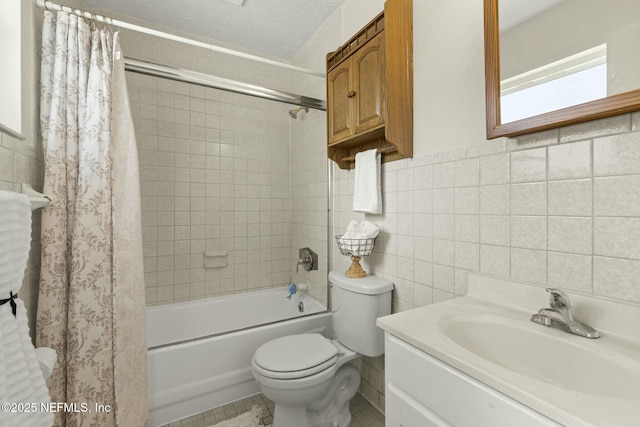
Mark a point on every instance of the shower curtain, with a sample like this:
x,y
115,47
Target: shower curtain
x,y
91,306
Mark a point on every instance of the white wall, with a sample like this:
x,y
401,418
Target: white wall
x,y
355,15
448,75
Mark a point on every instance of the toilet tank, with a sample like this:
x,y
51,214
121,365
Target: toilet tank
x,y
356,304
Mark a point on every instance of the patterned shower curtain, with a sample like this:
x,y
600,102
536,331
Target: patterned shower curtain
x,y
91,307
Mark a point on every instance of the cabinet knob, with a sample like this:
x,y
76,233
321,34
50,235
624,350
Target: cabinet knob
x,y
351,94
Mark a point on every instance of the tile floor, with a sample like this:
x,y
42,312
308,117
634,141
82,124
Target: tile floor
x,y
363,414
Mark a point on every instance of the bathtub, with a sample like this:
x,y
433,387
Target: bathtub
x,y
200,351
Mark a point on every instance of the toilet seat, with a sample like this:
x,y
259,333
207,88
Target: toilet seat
x,y
295,356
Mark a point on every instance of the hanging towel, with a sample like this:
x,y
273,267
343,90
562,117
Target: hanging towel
x,y
367,193
21,379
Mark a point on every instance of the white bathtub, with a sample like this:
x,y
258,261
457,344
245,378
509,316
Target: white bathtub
x,y
200,351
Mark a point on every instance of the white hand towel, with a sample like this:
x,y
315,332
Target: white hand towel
x,y
367,193
353,230
368,230
361,230
20,376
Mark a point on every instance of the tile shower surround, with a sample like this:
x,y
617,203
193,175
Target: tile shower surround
x,y
214,170
558,208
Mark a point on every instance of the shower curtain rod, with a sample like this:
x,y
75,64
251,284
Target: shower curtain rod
x,y
44,4
201,79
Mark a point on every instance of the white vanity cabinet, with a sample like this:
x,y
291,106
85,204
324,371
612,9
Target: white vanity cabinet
x,y
422,391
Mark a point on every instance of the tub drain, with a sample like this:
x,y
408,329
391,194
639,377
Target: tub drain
x,y
301,307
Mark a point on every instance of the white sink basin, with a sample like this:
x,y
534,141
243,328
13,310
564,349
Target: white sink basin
x,y
549,355
572,380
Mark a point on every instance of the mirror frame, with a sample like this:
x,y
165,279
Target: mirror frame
x,y
600,108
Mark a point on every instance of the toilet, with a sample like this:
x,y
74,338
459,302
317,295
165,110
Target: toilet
x,y
307,375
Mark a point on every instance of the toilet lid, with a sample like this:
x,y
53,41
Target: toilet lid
x,y
294,353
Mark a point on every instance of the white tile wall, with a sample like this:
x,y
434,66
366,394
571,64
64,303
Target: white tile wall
x,y
214,176
559,208
510,210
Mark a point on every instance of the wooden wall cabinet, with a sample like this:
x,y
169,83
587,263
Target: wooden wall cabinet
x,y
370,89
356,92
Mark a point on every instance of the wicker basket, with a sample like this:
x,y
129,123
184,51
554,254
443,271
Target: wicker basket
x,y
355,248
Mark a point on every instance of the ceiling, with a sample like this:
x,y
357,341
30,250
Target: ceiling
x,y
277,28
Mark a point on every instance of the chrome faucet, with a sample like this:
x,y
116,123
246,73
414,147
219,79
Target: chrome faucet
x,y
559,316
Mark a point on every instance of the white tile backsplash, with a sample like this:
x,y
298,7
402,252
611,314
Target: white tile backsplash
x,y
443,278
422,176
616,278
529,232
570,271
443,175
616,155
423,201
595,128
423,248
529,199
443,201
570,161
495,260
495,230
466,173
467,228
494,169
574,197
467,256
571,234
495,199
537,208
529,165
405,180
526,210
616,196
406,246
444,226
617,237
534,140
467,200
529,265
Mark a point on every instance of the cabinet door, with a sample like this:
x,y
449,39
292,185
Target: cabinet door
x,y
368,84
338,103
437,392
403,411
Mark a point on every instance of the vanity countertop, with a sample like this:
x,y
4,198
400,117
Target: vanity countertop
x,y
572,380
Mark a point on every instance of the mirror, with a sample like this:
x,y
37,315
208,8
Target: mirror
x,y
552,63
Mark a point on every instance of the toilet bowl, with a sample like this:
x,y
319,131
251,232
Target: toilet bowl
x,y
307,375
301,374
